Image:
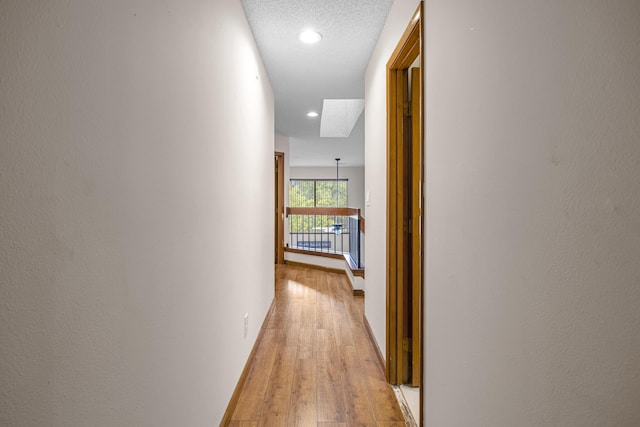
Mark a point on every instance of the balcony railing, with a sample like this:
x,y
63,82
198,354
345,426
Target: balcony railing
x,y
327,230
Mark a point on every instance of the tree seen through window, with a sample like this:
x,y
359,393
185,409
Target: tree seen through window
x,y
319,193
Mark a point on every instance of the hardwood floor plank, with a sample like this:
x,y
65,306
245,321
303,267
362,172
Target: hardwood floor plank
x,y
321,284
251,400
331,369
311,286
338,287
303,410
355,312
275,409
356,393
291,331
295,290
249,406
331,403
385,405
364,344
342,328
270,344
279,315
327,347
237,423
324,299
308,315
315,364
307,344
324,313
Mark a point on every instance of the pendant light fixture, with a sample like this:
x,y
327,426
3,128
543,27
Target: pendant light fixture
x,y
337,227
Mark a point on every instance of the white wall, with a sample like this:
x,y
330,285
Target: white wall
x,y
354,175
376,166
533,202
129,186
532,225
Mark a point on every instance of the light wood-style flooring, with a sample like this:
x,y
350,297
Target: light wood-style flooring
x,y
315,365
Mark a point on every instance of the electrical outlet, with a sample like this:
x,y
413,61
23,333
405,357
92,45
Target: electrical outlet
x,y
246,325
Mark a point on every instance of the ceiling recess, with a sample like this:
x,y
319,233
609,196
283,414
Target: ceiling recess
x,y
339,116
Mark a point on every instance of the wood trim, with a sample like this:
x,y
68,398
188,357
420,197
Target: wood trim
x,y
400,243
316,253
279,202
419,347
416,224
327,211
315,267
235,397
358,292
372,337
323,211
403,256
390,330
409,46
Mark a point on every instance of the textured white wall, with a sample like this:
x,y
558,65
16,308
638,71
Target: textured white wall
x,y
375,181
533,213
131,184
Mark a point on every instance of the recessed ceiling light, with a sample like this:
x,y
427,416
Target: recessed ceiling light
x,y
309,36
312,114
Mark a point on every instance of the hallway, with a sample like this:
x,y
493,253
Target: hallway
x,y
315,364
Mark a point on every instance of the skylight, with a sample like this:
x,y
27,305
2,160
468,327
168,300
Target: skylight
x,y
339,116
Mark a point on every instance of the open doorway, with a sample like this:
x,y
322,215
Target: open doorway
x,y
405,209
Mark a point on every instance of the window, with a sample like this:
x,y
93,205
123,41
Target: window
x,y
317,193
317,232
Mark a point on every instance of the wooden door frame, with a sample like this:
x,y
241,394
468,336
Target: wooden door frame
x,y
279,207
417,218
407,50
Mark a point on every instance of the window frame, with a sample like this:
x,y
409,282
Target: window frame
x,y
315,190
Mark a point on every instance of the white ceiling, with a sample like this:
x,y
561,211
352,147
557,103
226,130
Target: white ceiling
x,y
303,76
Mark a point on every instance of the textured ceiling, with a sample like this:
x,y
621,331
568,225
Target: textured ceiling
x,y
302,76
